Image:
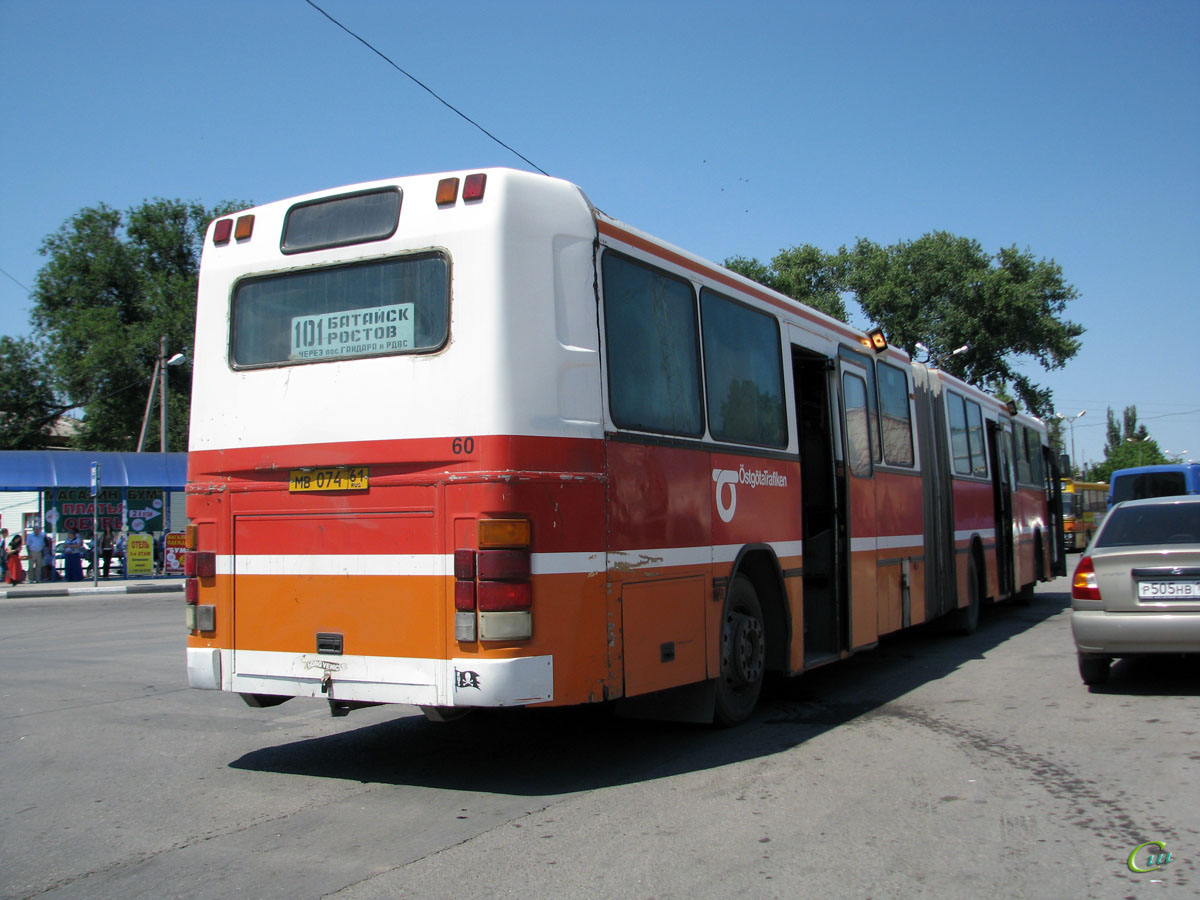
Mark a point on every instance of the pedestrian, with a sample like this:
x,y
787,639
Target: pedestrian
x,y
107,545
35,547
4,550
15,573
120,550
73,556
49,569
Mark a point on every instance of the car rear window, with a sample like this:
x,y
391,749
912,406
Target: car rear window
x,y
1169,523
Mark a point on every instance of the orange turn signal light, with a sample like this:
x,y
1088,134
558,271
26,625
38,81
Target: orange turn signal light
x,y
503,533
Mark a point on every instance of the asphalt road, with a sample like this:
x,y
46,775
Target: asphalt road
x,y
933,766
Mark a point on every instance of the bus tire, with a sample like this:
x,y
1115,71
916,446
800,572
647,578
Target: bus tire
x,y
743,654
966,618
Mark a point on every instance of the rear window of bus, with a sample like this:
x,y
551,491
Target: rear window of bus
x,y
374,308
1148,484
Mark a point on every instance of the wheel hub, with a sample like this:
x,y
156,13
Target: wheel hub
x,y
747,649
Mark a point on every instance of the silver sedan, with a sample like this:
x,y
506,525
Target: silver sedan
x,y
1136,589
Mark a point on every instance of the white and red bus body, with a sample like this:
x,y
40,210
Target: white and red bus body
x,y
551,491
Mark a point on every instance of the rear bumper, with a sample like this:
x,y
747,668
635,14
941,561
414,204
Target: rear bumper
x,y
1118,634
420,682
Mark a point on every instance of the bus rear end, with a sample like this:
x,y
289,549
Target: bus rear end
x,y
395,486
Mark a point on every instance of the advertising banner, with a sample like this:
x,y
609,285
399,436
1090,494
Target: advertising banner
x,y
175,544
139,554
68,508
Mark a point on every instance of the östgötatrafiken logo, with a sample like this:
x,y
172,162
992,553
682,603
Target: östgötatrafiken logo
x,y
727,481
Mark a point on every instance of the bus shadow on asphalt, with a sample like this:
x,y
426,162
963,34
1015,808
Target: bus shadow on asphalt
x,y
531,752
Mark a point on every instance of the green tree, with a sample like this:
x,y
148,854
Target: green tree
x,y
112,285
28,406
805,273
945,292
1127,444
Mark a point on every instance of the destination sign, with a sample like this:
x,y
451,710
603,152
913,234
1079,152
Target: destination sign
x,y
379,329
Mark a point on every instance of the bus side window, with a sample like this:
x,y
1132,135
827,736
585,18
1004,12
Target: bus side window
x,y
895,415
652,339
858,434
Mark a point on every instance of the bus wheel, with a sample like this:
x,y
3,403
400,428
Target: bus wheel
x,y
966,618
743,654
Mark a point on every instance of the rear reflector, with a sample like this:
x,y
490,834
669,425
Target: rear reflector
x,y
191,590
464,596
473,187
464,565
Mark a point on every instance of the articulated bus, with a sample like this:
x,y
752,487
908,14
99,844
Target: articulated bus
x,y
1084,505
463,440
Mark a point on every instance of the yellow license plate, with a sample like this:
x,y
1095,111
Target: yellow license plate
x,y
338,478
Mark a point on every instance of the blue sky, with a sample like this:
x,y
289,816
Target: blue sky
x,y
1068,128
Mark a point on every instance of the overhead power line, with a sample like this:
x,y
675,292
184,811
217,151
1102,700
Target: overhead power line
x,y
424,86
17,283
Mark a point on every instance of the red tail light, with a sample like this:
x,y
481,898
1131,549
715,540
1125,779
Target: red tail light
x,y
504,565
1083,585
191,590
199,564
505,596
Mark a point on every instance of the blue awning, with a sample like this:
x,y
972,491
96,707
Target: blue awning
x,y
32,470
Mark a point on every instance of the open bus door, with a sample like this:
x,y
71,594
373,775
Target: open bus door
x,y
1000,451
826,613
1054,504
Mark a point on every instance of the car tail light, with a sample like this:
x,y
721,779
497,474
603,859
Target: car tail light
x,y
1083,585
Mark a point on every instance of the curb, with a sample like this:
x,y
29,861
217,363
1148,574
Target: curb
x,y
155,588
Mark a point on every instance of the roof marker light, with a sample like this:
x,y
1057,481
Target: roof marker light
x,y
447,191
878,341
222,231
245,227
473,186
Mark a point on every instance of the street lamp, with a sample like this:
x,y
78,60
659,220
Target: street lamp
x,y
1071,423
933,361
158,380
